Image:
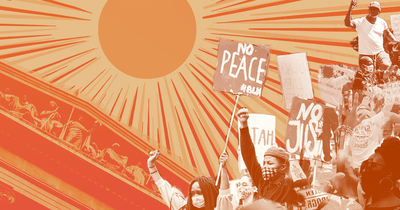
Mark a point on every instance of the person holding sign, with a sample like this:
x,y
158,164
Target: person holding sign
x,y
271,178
203,194
224,200
371,31
245,189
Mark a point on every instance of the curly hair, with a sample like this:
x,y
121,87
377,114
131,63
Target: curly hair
x,y
327,71
209,191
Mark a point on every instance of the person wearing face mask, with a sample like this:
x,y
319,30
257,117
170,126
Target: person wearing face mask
x,y
379,173
271,179
203,193
371,32
172,196
244,189
365,76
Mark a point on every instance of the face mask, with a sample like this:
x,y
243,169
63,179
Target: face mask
x,y
244,192
269,172
198,201
369,69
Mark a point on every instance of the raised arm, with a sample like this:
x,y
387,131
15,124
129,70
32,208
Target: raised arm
x,y
224,172
247,148
347,19
165,188
151,164
387,34
224,200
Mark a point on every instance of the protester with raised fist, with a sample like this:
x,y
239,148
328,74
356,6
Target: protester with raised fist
x,y
171,195
271,178
371,32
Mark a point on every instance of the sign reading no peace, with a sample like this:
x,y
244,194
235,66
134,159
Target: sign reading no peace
x,y
242,68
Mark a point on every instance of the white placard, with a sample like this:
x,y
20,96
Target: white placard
x,y
395,22
295,77
331,78
262,133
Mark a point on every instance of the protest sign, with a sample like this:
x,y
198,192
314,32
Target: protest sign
x,y
331,78
242,68
295,77
313,198
296,171
262,133
303,126
395,22
391,92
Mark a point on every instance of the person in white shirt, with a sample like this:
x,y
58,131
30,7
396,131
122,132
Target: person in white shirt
x,y
171,195
368,135
245,189
203,192
371,32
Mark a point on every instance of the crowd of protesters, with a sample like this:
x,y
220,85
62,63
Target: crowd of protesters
x,y
368,172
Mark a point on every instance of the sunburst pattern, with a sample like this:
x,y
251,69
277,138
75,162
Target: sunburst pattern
x,y
178,113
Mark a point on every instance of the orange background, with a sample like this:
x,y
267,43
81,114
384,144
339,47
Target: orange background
x,y
145,68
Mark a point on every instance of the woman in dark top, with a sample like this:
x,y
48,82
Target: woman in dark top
x,y
271,179
379,174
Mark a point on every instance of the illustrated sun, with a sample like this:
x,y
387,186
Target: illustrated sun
x,y
147,39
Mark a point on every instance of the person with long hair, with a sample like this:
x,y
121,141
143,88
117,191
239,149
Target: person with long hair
x,y
202,194
272,179
379,174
